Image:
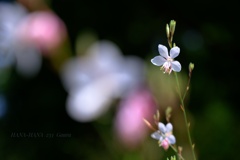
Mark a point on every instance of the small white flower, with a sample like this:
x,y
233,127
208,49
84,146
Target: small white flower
x,y
164,135
166,61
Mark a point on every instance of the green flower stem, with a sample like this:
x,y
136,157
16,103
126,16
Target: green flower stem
x,y
175,150
170,43
185,117
187,88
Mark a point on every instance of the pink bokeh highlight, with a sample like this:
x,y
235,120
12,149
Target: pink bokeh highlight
x,y
43,29
129,125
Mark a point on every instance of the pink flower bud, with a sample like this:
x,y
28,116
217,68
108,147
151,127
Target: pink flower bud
x,y
165,144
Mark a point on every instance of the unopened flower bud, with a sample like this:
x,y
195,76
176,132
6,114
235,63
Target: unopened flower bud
x,y
191,67
172,27
167,31
168,113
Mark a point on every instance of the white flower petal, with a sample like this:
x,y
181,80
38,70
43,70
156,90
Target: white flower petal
x,y
174,52
156,135
169,127
158,60
161,138
163,51
162,127
176,66
171,139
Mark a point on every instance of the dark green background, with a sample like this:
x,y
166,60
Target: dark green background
x,y
38,104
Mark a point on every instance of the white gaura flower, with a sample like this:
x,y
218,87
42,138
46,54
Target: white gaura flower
x,y
166,61
164,135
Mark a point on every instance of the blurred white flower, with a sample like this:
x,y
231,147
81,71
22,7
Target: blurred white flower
x,y
28,60
24,36
166,61
11,15
95,80
13,50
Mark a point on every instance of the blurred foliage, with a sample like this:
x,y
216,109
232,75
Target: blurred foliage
x,y
38,104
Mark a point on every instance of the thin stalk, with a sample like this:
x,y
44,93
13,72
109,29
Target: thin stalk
x,y
169,43
175,150
185,117
187,88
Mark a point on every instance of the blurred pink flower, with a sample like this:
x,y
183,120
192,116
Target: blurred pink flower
x,y
44,29
129,125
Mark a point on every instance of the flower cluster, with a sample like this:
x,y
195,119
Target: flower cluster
x,y
166,60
